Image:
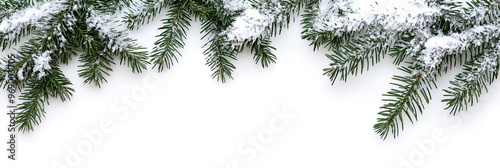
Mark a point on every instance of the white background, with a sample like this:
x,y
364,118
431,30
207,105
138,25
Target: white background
x,y
188,120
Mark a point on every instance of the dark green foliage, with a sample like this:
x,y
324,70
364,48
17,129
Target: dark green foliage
x,y
327,39
262,50
215,20
353,57
57,38
143,15
70,31
172,38
469,84
7,8
55,85
353,51
408,99
287,14
400,49
96,66
218,51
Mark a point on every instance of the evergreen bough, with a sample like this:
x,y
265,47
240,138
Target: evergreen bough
x,y
59,30
425,39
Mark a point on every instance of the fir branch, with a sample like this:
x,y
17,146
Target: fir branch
x,y
479,12
198,9
116,40
75,26
43,39
326,39
96,64
19,24
457,47
219,52
452,60
107,5
286,14
435,35
262,50
402,48
144,12
407,100
265,18
32,107
172,38
134,56
218,59
37,93
8,40
218,56
352,57
469,85
8,7
318,38
451,13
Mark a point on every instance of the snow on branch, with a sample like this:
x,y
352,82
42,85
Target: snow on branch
x,y
142,7
255,21
249,26
395,16
109,28
42,63
29,16
437,47
143,12
236,5
487,63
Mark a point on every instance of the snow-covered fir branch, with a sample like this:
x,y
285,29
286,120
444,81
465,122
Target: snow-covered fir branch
x,y
19,22
235,5
257,19
251,25
394,16
429,35
436,47
143,12
487,63
143,6
484,63
473,80
42,63
109,28
58,30
29,16
479,12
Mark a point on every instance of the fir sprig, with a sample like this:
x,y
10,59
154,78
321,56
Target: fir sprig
x,y
218,51
172,38
469,85
55,85
353,57
262,50
407,100
143,12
